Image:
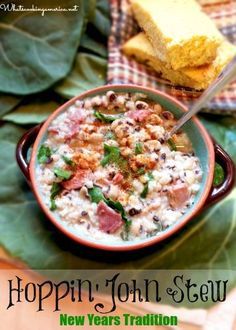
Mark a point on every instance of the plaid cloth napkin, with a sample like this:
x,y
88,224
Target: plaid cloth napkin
x,y
123,70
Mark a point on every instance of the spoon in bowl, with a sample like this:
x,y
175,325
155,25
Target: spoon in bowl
x,y
225,77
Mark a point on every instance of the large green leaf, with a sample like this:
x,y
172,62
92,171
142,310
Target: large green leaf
x,y
36,51
208,242
102,20
89,43
34,110
8,102
89,72
223,129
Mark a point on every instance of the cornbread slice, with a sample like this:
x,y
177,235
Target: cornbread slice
x,y
197,77
180,33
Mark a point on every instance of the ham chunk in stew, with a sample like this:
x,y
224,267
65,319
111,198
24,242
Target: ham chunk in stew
x,y
138,115
77,181
178,195
109,220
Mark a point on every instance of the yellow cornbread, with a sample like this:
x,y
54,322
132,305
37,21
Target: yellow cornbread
x,y
180,33
197,77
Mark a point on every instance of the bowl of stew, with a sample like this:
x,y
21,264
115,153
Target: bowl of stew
x,y
104,173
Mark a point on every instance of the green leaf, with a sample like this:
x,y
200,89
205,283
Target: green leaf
x,y
55,190
69,161
33,112
96,195
111,155
141,171
145,191
172,145
218,175
150,176
89,72
88,43
8,102
104,118
44,154
102,20
138,148
223,129
37,51
62,174
118,207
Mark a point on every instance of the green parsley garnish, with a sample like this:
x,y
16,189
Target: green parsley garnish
x,y
218,175
62,174
141,171
69,161
44,154
104,118
146,186
97,196
138,148
112,155
55,190
150,176
145,191
172,145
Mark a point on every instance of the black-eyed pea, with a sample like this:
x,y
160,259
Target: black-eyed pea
x,y
154,120
125,151
158,109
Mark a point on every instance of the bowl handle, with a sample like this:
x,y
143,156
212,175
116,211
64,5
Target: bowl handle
x,y
218,192
23,147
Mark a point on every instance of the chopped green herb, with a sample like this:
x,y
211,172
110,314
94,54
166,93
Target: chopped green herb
x,y
55,190
44,154
69,161
172,145
218,175
62,174
118,207
97,196
141,171
138,148
150,176
112,155
110,135
125,233
157,230
104,118
145,191
146,186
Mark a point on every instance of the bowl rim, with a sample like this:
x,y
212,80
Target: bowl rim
x,y
139,244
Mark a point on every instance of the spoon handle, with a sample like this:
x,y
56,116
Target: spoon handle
x,y
225,77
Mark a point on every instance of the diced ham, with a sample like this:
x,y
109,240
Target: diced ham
x,y
178,196
117,178
77,181
138,115
109,220
74,120
78,116
53,130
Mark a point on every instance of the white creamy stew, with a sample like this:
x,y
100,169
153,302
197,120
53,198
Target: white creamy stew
x,y
108,172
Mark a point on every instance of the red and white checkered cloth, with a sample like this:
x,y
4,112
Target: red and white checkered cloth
x,y
123,70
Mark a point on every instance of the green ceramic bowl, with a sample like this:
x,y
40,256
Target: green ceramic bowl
x,y
205,149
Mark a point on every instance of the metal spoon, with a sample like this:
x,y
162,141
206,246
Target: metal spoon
x,y
225,77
